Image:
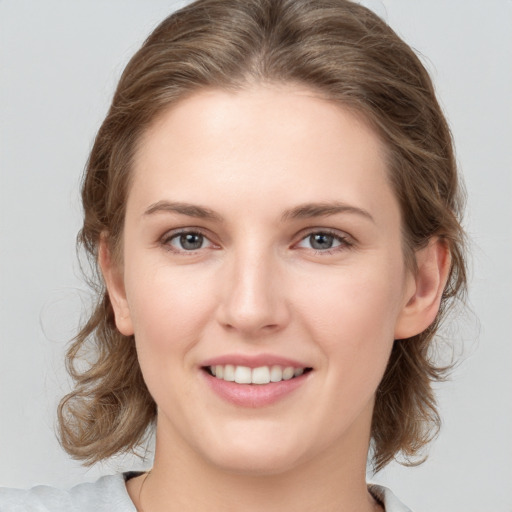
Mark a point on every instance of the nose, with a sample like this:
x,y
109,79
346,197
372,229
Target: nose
x,y
254,299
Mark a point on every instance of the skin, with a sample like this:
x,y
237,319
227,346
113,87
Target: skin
x,y
257,285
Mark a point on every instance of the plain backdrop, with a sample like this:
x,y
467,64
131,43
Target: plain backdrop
x,y
59,62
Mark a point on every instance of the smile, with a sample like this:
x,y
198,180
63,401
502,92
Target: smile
x,y
260,375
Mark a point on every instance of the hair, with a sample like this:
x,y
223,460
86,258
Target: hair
x,y
351,57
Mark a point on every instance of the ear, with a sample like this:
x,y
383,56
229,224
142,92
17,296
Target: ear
x,y
113,276
424,289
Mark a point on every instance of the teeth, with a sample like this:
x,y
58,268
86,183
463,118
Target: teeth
x,y
243,375
288,373
276,374
260,375
229,372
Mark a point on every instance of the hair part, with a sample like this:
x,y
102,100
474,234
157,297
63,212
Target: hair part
x,y
352,58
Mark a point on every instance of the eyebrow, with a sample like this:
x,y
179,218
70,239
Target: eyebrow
x,y
310,210
303,211
191,210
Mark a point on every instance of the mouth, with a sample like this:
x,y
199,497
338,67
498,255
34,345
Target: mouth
x,y
255,381
260,376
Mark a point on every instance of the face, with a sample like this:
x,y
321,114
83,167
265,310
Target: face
x,y
263,276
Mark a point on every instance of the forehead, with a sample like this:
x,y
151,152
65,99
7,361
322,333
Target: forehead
x,y
281,142
258,113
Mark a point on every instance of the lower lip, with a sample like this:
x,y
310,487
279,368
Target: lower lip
x,y
254,395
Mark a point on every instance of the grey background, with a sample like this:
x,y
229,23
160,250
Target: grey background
x,y
59,62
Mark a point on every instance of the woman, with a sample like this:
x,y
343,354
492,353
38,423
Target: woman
x,y
272,201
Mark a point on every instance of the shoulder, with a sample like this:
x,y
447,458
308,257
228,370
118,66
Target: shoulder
x,y
108,494
387,498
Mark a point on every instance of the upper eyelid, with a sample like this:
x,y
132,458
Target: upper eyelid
x,y
342,235
171,233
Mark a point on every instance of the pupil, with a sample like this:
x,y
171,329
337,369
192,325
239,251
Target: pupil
x,y
191,241
321,241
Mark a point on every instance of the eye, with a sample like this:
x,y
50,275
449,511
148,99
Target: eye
x,y
186,241
324,241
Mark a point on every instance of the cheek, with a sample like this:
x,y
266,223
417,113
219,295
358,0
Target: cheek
x,y
169,308
352,316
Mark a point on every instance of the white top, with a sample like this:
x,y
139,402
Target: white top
x,y
109,494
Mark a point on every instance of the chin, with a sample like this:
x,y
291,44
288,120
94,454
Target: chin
x,y
256,453
249,463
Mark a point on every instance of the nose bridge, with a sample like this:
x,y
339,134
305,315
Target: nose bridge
x,y
254,299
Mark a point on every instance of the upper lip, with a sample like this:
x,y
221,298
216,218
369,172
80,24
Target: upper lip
x,y
254,361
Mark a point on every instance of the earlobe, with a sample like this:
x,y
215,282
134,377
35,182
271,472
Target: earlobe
x,y
113,276
422,303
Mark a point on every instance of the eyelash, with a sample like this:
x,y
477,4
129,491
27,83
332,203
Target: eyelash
x,y
169,237
344,241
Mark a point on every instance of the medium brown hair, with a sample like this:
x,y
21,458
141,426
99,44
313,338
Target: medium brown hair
x,y
351,57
